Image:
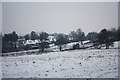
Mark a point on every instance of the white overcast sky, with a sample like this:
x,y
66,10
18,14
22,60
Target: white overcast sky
x,y
23,17
60,0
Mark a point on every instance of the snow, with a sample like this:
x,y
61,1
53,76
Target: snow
x,y
116,44
51,38
0,68
88,41
31,42
95,63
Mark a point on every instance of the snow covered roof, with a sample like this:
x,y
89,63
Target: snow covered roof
x,y
86,41
72,43
22,39
51,38
32,42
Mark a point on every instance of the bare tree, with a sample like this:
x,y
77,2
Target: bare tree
x,y
61,39
43,36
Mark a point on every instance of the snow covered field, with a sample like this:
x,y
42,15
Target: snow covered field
x,y
96,63
0,68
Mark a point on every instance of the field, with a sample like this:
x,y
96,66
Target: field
x,y
95,63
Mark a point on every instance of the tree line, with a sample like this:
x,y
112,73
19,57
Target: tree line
x,y
105,36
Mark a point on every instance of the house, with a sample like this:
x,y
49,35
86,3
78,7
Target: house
x,y
51,38
31,44
20,44
34,44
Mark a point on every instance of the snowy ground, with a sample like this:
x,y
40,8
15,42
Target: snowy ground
x,y
67,64
0,68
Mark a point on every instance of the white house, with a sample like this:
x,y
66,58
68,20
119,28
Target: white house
x,y
51,38
31,42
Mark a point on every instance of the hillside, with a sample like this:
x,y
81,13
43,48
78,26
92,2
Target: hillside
x,y
96,63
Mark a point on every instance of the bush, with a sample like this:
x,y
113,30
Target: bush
x,y
76,46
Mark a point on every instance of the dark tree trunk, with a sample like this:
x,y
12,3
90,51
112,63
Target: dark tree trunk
x,y
60,47
42,50
42,47
15,47
107,46
81,42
